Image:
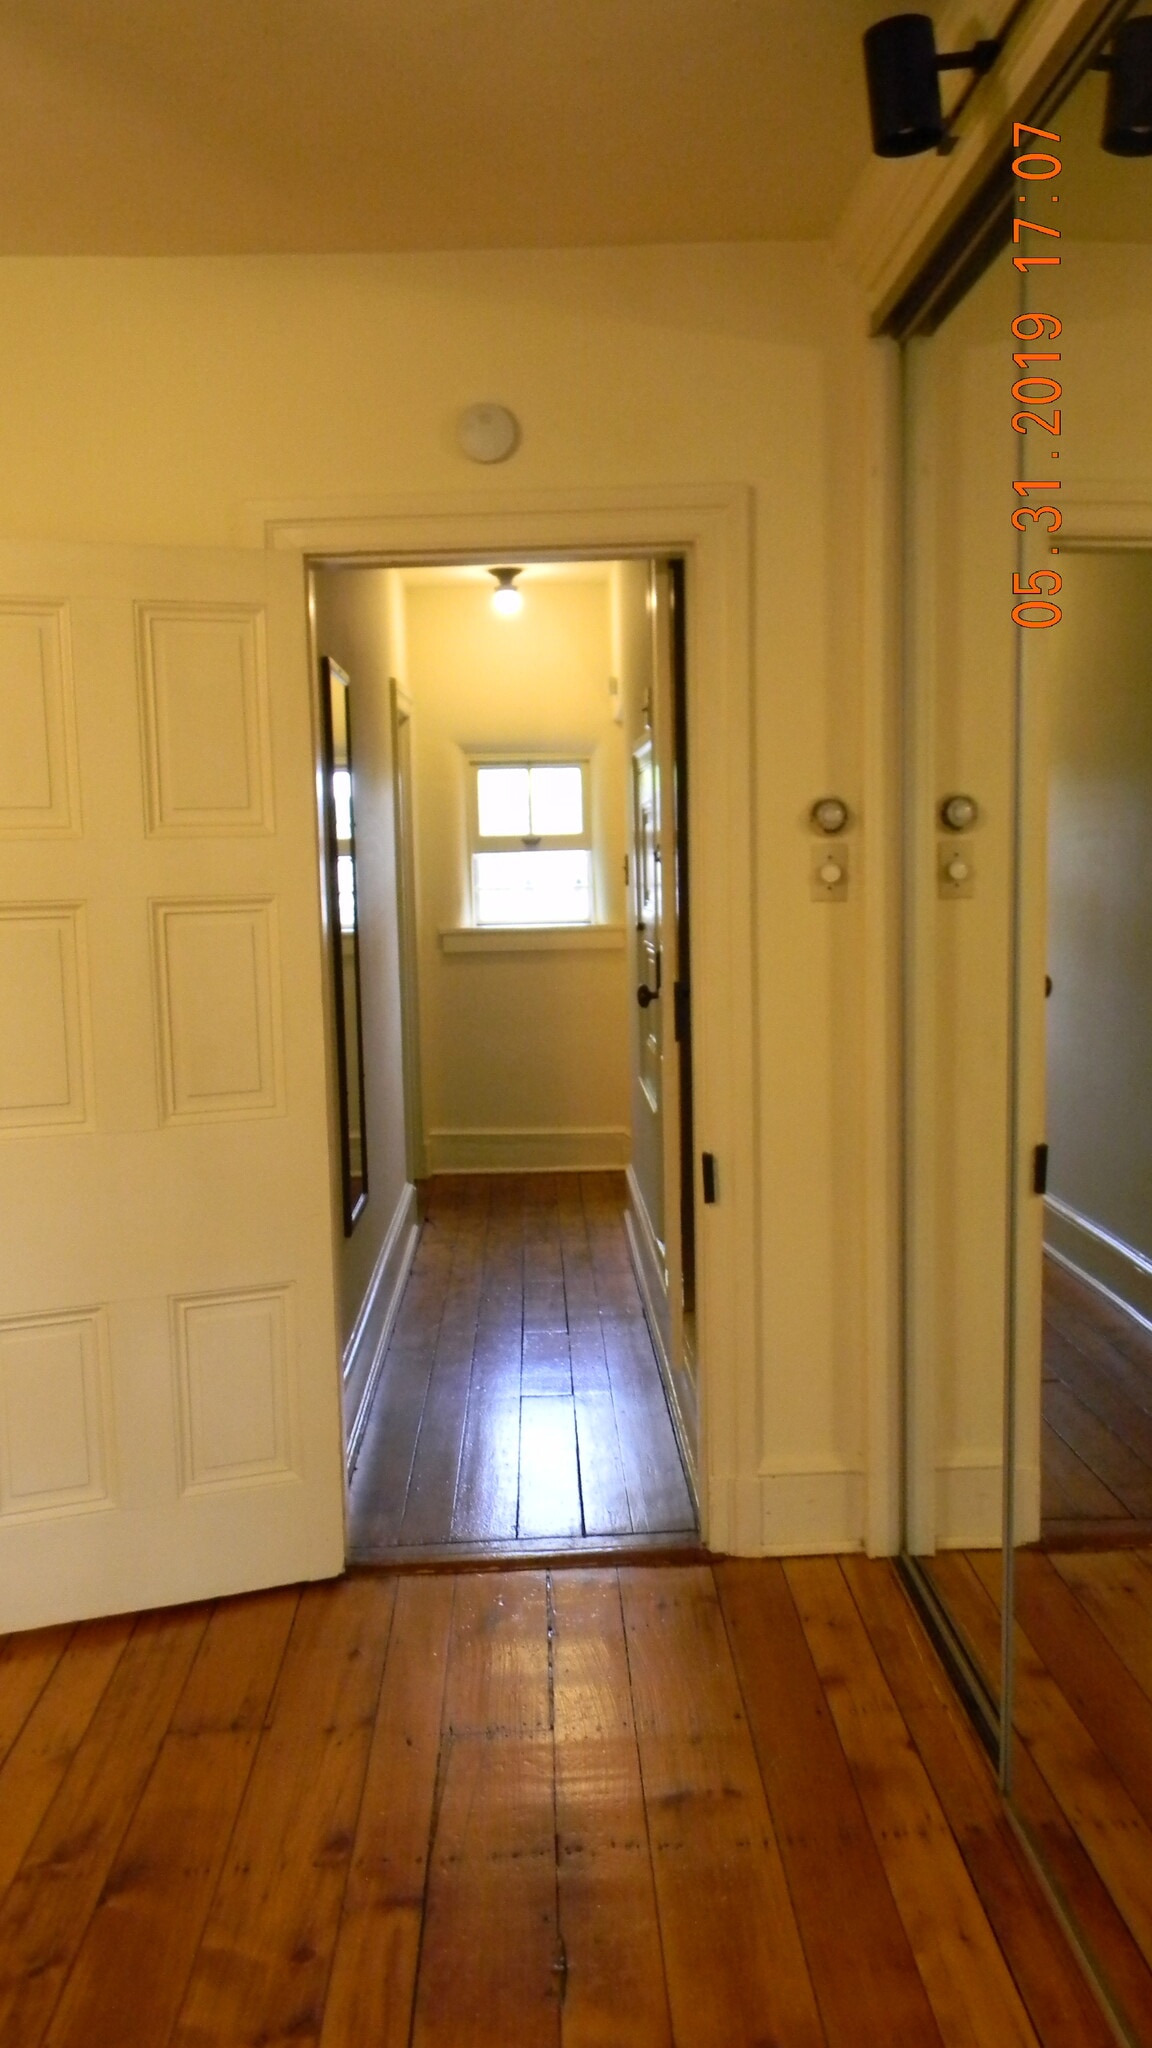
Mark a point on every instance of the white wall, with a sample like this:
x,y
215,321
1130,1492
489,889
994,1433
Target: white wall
x,y
156,399
524,1054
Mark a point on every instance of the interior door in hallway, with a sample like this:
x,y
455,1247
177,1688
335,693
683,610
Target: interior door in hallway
x,y
169,1423
660,1180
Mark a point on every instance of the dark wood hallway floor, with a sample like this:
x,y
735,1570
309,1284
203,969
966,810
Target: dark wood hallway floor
x,y
520,1404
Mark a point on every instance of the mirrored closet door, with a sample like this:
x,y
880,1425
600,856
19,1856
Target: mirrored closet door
x,y
1028,1007
1079,1767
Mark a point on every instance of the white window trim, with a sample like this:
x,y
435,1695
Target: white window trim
x,y
528,757
532,938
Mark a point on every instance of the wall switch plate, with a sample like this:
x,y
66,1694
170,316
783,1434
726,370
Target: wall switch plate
x,y
955,867
828,871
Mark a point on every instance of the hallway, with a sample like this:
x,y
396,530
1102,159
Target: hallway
x,y
520,1406
644,1807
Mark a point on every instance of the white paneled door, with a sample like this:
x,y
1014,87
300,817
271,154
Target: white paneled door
x,y
169,1416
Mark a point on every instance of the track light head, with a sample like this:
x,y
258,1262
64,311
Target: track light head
x,y
902,68
1128,108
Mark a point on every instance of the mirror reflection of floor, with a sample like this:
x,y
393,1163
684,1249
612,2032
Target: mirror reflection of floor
x,y
1083,1719
1096,1483
521,1405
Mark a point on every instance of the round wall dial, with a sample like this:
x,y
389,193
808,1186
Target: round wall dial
x,y
959,813
488,433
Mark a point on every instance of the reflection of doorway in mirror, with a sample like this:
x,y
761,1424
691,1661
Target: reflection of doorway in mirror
x,y
1093,678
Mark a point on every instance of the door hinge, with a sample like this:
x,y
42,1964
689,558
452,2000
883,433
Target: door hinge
x,y
682,1016
1040,1170
708,1174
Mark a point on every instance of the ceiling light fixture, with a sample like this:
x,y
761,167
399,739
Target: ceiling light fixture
x,y
903,67
506,599
1128,108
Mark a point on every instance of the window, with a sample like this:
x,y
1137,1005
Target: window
x,y
531,843
345,864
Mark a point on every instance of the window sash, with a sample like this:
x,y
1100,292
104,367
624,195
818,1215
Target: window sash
x,y
515,842
573,906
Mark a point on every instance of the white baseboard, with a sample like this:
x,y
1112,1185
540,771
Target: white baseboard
x,y
364,1351
651,1278
1095,1255
566,1148
808,1514
970,1505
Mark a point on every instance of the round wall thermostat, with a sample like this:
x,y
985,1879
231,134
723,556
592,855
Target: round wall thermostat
x,y
829,814
488,433
959,813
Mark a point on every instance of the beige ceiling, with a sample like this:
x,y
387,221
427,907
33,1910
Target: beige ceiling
x,y
142,127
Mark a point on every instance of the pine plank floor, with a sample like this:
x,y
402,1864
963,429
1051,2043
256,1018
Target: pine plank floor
x,y
520,1403
1096,1460
688,1806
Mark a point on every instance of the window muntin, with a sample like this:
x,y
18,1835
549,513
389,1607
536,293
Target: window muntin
x,y
531,843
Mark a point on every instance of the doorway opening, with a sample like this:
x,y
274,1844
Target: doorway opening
x,y
518,1287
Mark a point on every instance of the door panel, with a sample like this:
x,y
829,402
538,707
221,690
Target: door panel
x,y
169,1420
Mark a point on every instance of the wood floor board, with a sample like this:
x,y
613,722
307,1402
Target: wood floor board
x,y
45,1912
378,1492
657,1489
439,1447
858,1951
614,1990
549,1469
587,1359
733,1955
490,1971
546,1362
26,1664
486,1503
372,1987
54,1726
131,1969
603,1487
262,1964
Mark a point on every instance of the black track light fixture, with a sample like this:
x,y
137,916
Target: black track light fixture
x,y
903,70
1128,108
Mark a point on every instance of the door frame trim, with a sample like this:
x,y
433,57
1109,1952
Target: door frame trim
x,y
711,526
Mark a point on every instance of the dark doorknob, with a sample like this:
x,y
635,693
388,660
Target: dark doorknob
x,y
646,995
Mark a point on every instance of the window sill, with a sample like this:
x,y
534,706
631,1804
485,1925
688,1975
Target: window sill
x,y
533,938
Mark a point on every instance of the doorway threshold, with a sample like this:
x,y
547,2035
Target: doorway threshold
x,y
551,1553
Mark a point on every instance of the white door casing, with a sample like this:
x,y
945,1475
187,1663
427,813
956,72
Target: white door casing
x,y
169,1414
